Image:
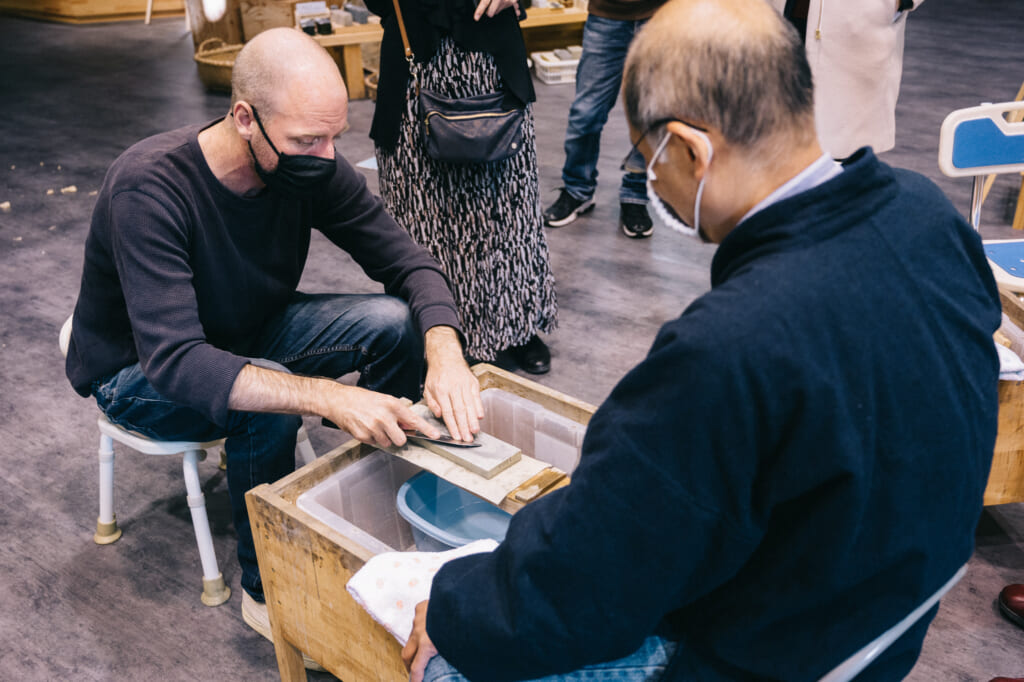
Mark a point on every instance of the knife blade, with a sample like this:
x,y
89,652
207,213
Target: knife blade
x,y
444,439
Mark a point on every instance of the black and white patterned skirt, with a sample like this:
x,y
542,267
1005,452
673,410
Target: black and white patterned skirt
x,y
482,222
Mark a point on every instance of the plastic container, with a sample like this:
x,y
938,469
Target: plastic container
x,y
538,432
550,69
432,515
359,501
443,516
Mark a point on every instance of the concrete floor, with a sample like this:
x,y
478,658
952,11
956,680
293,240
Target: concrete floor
x,y
73,97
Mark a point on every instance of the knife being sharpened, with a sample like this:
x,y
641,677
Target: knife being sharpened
x,y
443,439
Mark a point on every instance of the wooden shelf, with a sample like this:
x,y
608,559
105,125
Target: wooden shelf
x,y
536,17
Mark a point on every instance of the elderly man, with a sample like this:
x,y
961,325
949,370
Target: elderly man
x,y
799,461
189,325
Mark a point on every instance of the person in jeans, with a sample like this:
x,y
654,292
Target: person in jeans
x,y
610,27
189,324
768,490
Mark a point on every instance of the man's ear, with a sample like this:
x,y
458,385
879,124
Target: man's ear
x,y
696,143
241,114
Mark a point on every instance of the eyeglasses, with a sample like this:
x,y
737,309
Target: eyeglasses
x,y
631,164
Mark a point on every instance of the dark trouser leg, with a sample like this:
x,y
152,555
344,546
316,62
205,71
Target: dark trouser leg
x,y
260,449
333,334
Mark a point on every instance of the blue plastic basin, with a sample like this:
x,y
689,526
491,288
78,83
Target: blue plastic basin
x,y
444,516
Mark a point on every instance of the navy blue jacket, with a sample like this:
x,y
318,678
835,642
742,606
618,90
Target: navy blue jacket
x,y
797,464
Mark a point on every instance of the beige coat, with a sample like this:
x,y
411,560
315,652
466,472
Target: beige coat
x,y
856,54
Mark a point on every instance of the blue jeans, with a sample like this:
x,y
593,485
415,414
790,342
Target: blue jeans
x,y
316,335
598,79
646,664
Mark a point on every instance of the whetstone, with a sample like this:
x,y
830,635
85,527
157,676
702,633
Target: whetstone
x,y
492,457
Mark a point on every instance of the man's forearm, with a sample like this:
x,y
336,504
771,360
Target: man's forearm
x,y
441,343
257,389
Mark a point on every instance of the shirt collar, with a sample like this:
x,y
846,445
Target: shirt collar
x,y
822,170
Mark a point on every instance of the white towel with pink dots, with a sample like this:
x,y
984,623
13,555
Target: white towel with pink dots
x,y
390,585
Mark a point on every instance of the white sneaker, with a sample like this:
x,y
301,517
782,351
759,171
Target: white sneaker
x,y
256,616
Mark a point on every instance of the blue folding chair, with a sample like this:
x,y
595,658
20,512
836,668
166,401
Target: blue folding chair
x,y
980,141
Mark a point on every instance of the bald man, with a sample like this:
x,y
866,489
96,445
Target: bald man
x,y
799,461
189,324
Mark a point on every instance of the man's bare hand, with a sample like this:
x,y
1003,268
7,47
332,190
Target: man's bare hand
x,y
373,417
492,7
419,649
451,390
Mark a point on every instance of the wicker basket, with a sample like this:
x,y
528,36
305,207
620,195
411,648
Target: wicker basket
x,y
370,81
214,59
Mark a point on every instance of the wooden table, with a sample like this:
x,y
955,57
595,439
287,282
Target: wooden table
x,y
305,563
543,29
1006,477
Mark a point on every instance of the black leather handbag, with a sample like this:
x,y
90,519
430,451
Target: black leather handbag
x,y
476,129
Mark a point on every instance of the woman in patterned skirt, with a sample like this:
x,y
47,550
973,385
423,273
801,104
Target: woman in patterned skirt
x,y
481,221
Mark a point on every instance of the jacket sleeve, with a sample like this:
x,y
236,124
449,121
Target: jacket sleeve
x,y
150,249
355,219
650,522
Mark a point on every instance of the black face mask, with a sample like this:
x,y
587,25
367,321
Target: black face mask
x,y
296,176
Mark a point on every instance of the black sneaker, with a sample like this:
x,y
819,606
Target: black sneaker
x,y
634,221
566,209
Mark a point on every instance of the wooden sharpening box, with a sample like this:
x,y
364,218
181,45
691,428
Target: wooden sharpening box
x,y
305,561
1006,477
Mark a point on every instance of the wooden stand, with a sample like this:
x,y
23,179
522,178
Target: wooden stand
x,y
346,46
305,563
1006,478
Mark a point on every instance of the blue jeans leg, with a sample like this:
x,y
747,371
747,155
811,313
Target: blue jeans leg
x,y
646,664
598,79
317,335
334,334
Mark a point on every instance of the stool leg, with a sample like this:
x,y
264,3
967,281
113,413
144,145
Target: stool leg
x,y
106,525
304,447
215,592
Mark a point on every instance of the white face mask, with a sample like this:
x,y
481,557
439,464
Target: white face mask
x,y
663,212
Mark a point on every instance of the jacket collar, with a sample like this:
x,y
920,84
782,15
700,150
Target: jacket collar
x,y
808,217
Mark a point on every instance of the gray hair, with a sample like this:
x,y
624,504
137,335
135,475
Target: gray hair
x,y
748,84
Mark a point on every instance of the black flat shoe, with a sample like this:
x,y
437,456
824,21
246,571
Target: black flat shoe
x,y
533,356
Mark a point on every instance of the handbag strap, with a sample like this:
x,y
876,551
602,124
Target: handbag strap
x,y
405,36
414,70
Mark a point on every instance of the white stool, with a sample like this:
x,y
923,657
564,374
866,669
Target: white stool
x,y
215,592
